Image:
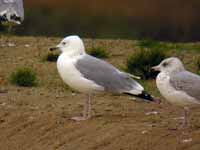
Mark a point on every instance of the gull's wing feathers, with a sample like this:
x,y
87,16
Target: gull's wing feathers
x,y
187,82
106,75
131,75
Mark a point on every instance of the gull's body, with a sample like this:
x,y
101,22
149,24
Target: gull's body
x,y
177,85
172,94
89,75
73,77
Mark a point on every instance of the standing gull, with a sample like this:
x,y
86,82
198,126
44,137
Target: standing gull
x,y
177,85
89,75
11,11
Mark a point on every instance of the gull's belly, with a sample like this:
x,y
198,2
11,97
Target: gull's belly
x,y
170,94
71,76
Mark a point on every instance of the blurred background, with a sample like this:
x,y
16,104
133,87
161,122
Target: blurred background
x,y
171,20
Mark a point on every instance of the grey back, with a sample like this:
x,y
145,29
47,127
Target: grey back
x,y
188,82
104,74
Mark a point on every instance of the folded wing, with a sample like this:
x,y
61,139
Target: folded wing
x,y
106,75
187,82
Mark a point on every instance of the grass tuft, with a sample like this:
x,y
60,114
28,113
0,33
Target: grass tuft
x,y
98,52
152,44
198,63
141,61
23,77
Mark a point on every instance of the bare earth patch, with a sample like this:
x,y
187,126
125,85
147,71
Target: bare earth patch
x,y
38,118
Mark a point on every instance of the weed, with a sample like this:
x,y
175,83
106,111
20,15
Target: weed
x,y
23,77
98,52
152,44
198,63
141,61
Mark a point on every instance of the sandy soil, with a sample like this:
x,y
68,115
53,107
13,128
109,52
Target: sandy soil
x,y
38,118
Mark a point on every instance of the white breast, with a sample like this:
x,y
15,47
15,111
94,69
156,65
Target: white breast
x,y
73,77
170,94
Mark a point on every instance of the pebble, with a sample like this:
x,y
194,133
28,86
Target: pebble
x,y
144,132
11,45
73,94
187,140
132,98
3,104
152,113
27,45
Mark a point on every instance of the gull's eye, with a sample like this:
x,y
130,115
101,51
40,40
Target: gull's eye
x,y
165,64
64,43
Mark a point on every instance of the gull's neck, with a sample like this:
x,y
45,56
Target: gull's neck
x,y
72,54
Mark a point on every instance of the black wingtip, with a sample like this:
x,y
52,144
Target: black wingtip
x,y
146,96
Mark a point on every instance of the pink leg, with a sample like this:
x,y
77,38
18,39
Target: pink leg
x,y
186,118
185,126
86,110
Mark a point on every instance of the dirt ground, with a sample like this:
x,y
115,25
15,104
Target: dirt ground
x,y
38,118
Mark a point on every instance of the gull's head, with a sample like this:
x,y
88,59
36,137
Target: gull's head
x,y
72,45
170,65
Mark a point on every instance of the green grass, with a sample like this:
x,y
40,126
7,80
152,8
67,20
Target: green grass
x,y
141,61
23,77
148,43
153,44
98,52
198,63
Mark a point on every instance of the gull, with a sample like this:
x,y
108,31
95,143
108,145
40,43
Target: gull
x,y
11,12
177,85
91,75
